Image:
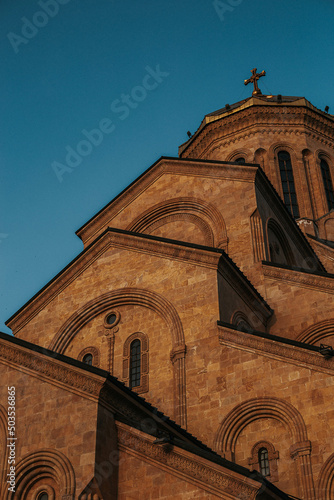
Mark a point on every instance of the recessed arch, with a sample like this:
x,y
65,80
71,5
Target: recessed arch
x,y
278,244
254,409
239,153
317,332
3,450
326,480
93,351
117,298
206,216
241,321
144,298
46,463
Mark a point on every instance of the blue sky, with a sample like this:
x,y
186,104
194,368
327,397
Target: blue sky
x,y
67,67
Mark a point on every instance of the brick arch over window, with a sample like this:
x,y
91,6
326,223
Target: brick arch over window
x,y
3,450
94,352
140,297
277,409
317,332
273,455
204,215
241,321
326,480
49,464
239,153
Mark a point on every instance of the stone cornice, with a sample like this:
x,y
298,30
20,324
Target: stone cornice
x,y
282,118
245,290
176,166
189,467
300,278
275,350
112,239
51,370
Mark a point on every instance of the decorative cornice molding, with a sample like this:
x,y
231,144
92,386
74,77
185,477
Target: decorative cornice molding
x,y
299,278
280,119
194,469
275,350
175,166
56,372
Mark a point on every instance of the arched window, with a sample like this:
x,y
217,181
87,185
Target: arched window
x,y
240,320
279,249
88,359
264,459
90,356
328,185
134,375
240,160
288,184
264,462
43,496
135,362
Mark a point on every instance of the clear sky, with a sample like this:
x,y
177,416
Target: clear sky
x,y
67,67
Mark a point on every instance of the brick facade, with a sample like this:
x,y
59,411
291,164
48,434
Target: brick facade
x,y
229,299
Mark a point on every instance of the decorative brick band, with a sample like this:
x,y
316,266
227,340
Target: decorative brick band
x,y
211,478
276,350
322,283
53,370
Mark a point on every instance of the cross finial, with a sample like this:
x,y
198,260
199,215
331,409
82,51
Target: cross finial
x,y
253,79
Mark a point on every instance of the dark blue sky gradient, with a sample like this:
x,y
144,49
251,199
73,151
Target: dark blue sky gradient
x,y
68,73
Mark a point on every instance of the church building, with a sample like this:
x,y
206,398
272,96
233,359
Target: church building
x,y
188,351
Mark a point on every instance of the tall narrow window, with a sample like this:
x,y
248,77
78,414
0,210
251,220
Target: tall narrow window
x,y
288,184
135,363
264,462
328,185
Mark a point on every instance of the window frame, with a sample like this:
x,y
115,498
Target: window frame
x,y
95,354
273,456
144,362
289,191
327,182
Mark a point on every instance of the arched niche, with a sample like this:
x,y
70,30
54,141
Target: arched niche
x,y
204,218
279,250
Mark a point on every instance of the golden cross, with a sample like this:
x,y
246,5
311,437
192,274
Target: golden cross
x,y
253,79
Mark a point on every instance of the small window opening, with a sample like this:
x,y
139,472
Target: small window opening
x,y
43,496
240,160
88,359
111,319
135,363
264,462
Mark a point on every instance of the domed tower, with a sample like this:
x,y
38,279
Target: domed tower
x,y
290,139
